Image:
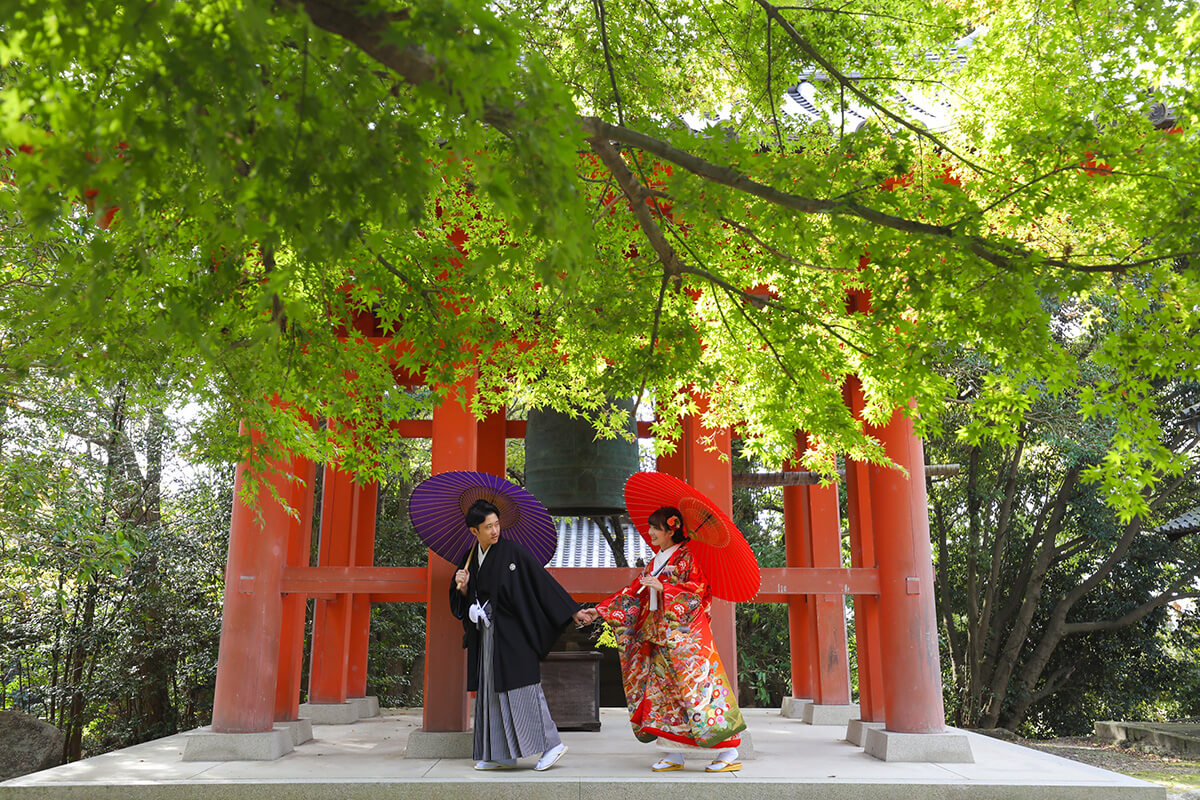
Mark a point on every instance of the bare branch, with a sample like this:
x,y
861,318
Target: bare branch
x,y
637,195
662,294
760,301
771,92
832,71
1134,615
867,14
779,253
602,19
1053,683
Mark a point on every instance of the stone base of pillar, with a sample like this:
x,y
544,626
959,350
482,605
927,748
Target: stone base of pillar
x,y
367,706
330,713
856,730
949,747
301,729
745,749
820,714
440,744
204,745
793,707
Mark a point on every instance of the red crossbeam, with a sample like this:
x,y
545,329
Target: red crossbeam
x,y
399,584
407,584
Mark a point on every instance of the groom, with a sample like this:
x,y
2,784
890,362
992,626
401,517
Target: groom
x,y
512,612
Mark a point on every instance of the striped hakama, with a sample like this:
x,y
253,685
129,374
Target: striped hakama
x,y
510,724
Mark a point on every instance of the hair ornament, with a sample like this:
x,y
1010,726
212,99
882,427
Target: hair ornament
x,y
672,522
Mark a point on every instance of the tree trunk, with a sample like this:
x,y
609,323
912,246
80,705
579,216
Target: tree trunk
x,y
1006,662
74,722
154,661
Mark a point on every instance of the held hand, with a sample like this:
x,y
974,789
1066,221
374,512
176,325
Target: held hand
x,y
460,580
590,615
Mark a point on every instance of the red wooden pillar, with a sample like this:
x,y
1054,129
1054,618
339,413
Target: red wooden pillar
x,y
710,472
831,670
248,660
291,640
455,447
817,623
676,463
490,449
329,670
800,607
366,501
908,626
871,700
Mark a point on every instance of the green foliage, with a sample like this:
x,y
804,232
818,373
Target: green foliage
x,y
1052,603
396,661
445,173
111,568
764,660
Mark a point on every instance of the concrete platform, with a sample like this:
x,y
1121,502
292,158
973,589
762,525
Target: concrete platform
x,y
366,759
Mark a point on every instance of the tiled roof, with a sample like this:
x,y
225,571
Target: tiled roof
x,y
581,544
1182,525
931,113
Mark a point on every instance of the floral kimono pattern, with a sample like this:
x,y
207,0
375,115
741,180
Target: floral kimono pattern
x,y
674,682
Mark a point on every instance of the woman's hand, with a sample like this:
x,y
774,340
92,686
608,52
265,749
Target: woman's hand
x,y
652,582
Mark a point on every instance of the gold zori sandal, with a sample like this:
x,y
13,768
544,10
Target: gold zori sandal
x,y
720,765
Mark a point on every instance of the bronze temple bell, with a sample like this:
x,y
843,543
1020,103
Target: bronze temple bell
x,y
571,471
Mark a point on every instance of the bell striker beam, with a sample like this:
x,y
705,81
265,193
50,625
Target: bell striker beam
x,y
455,447
248,661
912,680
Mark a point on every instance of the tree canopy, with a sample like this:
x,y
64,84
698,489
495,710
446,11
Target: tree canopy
x,y
511,187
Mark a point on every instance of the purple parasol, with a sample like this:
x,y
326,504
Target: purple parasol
x,y
439,504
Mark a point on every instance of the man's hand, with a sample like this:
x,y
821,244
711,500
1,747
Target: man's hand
x,y
460,580
585,616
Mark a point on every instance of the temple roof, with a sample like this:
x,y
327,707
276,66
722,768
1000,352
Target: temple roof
x,y
581,544
1183,525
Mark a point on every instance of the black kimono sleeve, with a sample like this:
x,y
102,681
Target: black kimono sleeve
x,y
542,607
528,611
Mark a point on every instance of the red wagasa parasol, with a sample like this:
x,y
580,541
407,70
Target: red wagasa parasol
x,y
716,544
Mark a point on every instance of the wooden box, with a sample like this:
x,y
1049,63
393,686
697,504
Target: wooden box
x,y
571,682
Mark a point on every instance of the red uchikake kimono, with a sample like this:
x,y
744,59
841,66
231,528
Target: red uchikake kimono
x,y
674,682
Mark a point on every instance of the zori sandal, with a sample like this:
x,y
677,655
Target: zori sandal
x,y
663,765
721,765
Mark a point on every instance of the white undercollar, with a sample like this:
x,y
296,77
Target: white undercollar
x,y
663,556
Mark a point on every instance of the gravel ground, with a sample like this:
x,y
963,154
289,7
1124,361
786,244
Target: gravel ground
x,y
1179,775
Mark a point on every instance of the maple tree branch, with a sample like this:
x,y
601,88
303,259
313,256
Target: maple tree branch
x,y
807,48
354,21
779,253
637,195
